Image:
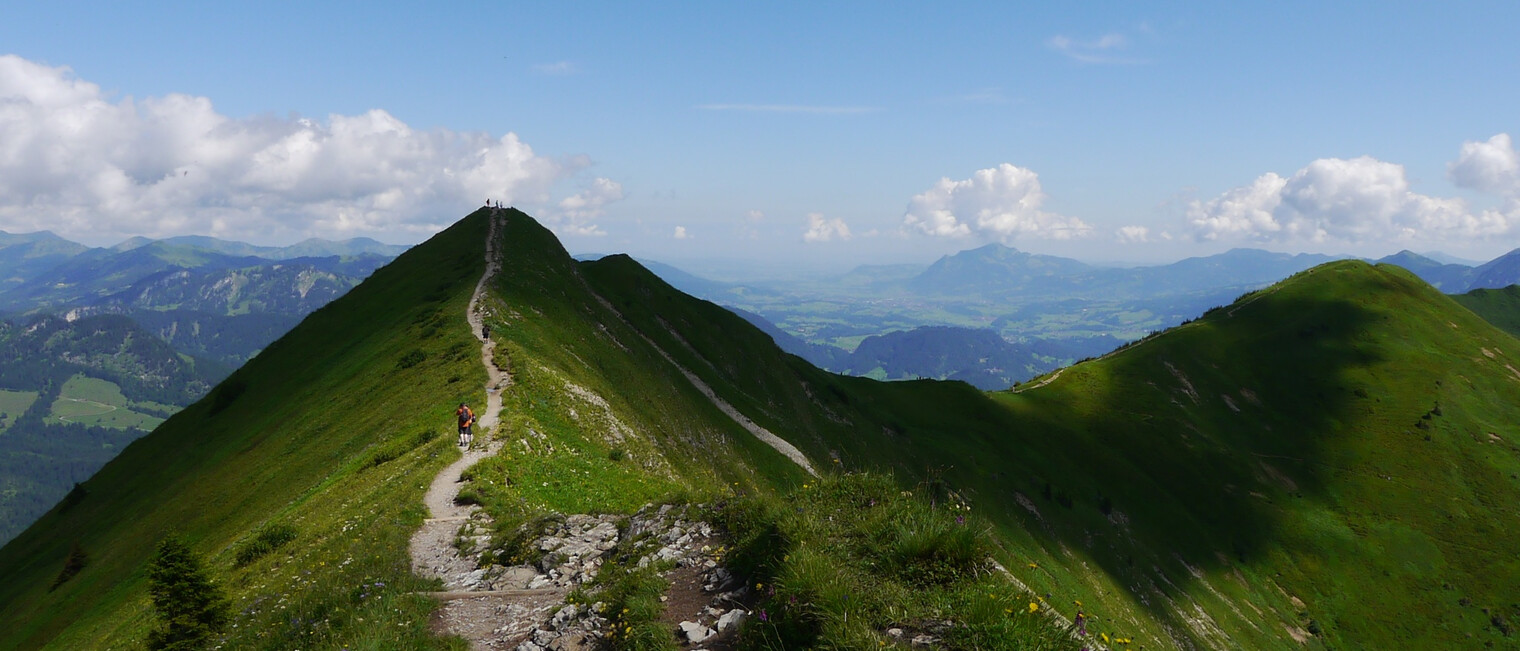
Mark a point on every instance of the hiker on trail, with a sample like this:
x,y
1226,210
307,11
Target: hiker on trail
x,y
466,420
485,332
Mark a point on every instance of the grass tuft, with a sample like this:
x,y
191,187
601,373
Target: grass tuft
x,y
269,538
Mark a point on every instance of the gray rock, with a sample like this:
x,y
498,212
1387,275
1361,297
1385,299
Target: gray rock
x,y
924,640
731,619
564,617
539,581
695,632
516,577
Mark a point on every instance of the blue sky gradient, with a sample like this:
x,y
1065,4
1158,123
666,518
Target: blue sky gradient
x,y
744,127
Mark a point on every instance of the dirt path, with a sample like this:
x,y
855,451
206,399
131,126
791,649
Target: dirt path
x,y
1042,383
488,619
109,408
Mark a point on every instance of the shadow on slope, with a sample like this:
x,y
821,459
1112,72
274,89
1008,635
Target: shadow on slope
x,y
1208,471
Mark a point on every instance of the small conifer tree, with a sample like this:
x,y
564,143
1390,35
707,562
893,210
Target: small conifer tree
x,y
191,609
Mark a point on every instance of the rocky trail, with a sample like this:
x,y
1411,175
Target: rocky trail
x,y
523,606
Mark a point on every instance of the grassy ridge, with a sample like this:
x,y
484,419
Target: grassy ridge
x,y
291,438
1271,454
596,419
1331,459
1500,307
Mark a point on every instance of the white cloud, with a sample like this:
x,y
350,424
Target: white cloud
x,y
680,233
75,161
1333,199
1001,203
1492,166
1101,50
824,230
1131,234
755,216
556,69
1243,211
574,213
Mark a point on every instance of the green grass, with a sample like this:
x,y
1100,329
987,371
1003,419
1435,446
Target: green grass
x,y
840,561
1500,307
98,403
1155,499
287,439
13,404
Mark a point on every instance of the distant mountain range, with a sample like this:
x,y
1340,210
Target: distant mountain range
x,y
205,296
996,270
101,344
968,315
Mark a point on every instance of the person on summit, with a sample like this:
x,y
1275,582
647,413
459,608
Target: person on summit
x,y
466,420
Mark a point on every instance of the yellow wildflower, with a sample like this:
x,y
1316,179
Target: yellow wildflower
x,y
1104,636
1033,606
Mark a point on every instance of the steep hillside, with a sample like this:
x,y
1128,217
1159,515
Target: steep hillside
x,y
1236,481
73,394
1329,462
1500,307
332,432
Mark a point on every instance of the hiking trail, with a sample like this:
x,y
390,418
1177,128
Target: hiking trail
x,y
488,618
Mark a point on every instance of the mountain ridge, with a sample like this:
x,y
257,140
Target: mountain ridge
x,y
1187,488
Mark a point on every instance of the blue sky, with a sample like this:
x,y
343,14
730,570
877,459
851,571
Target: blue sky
x,y
796,135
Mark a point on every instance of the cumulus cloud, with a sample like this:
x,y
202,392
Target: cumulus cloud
x,y
574,213
680,233
821,229
1333,199
755,216
1001,203
1492,166
1131,234
74,160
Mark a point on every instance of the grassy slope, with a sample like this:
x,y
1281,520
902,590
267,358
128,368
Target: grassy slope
x,y
286,439
1500,307
1321,487
1330,481
560,456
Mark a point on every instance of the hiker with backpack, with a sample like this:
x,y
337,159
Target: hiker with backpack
x,y
466,420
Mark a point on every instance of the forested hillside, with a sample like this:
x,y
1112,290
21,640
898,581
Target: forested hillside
x,y
72,395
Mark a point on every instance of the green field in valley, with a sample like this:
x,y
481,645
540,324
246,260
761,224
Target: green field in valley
x,y
13,404
99,403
